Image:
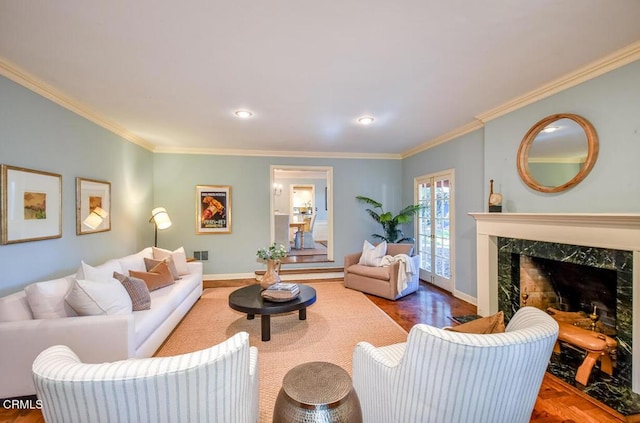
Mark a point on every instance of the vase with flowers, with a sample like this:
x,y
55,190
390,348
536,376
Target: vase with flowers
x,y
273,255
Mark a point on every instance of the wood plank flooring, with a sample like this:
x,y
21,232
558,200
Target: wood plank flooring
x,y
557,402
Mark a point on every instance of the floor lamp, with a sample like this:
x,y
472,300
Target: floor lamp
x,y
160,219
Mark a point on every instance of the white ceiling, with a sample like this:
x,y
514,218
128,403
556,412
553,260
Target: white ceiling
x,y
172,73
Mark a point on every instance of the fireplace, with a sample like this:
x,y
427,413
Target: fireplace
x,y
515,250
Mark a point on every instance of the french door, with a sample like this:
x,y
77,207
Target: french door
x,y
434,228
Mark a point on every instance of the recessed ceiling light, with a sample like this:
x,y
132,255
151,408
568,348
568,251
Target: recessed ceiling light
x,y
365,120
244,114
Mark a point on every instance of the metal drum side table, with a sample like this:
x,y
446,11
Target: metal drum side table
x,y
317,392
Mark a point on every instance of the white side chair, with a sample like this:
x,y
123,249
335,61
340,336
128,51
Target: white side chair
x,y
440,376
217,384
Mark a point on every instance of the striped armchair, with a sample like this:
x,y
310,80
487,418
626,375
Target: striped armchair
x,y
217,384
441,376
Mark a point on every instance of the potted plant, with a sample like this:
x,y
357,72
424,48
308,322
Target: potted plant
x,y
390,223
273,256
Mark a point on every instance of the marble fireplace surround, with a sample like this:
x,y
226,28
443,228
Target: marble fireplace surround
x,y
609,231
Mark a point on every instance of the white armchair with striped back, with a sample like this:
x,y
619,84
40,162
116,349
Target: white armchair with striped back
x,y
440,376
217,384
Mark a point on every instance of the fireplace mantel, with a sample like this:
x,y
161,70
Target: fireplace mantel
x,y
614,231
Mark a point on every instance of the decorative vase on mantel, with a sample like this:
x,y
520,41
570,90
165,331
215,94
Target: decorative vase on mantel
x,y
271,276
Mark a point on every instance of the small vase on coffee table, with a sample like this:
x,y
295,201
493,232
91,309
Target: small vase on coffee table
x,y
271,276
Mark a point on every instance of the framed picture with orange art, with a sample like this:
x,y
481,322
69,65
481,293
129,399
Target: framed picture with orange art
x,y
31,205
93,206
213,209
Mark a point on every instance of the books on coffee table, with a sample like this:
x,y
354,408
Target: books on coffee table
x,y
281,292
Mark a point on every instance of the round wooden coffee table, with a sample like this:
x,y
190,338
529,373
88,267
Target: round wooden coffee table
x,y
248,300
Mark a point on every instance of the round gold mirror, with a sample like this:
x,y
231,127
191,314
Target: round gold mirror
x,y
557,153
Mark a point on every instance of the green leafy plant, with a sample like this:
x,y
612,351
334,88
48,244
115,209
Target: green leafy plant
x,y
390,223
273,252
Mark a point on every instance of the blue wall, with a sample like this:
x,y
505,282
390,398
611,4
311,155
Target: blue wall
x,y
611,103
176,176
38,134
465,156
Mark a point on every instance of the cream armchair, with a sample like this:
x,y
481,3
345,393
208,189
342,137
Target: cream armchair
x,y
440,376
217,384
381,281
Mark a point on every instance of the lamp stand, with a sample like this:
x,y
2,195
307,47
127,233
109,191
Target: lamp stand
x,y
155,235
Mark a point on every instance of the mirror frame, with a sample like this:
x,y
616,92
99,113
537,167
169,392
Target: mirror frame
x,y
527,141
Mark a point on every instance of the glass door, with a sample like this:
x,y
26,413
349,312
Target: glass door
x,y
435,228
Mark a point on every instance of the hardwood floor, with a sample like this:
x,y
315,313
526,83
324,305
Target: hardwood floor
x,y
557,402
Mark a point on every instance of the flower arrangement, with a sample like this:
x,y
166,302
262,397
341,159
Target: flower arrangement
x,y
273,252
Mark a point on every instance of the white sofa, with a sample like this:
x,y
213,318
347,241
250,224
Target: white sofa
x,y
95,339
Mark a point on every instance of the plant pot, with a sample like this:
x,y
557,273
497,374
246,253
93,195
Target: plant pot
x,y
271,275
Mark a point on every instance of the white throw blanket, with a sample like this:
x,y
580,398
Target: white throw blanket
x,y
405,270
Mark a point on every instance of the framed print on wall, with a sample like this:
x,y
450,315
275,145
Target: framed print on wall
x,y
93,206
31,205
213,209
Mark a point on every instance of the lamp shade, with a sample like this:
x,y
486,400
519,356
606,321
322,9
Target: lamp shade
x,y
95,218
160,217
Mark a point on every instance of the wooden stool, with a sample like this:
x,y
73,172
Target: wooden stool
x,y
317,392
598,346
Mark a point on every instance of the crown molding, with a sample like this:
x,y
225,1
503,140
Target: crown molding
x,y
458,132
620,58
21,77
267,153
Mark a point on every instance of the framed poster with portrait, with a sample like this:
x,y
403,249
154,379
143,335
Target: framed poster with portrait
x,y
213,209
93,206
31,205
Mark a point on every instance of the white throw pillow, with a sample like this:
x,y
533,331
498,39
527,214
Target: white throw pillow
x,y
46,299
102,273
372,255
179,258
91,298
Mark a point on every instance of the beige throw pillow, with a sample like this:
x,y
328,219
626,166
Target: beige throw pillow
x,y
159,277
179,258
151,263
483,325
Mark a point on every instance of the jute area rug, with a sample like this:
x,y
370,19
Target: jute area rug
x,y
339,319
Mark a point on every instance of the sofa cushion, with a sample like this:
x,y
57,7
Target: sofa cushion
x,y
159,277
150,263
46,299
483,325
395,249
179,258
91,298
382,273
372,255
137,290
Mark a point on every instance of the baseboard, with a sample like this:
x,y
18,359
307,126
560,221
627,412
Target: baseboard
x,y
241,279
465,297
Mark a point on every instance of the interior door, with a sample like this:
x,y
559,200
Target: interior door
x,y
435,228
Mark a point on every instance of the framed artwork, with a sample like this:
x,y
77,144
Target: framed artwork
x,y
213,209
31,205
93,206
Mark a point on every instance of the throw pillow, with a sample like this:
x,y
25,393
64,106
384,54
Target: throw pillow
x,y
151,263
372,255
91,298
46,299
137,290
179,258
102,273
483,325
159,277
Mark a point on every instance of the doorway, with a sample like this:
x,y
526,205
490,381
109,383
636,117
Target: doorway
x,y
435,228
302,202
